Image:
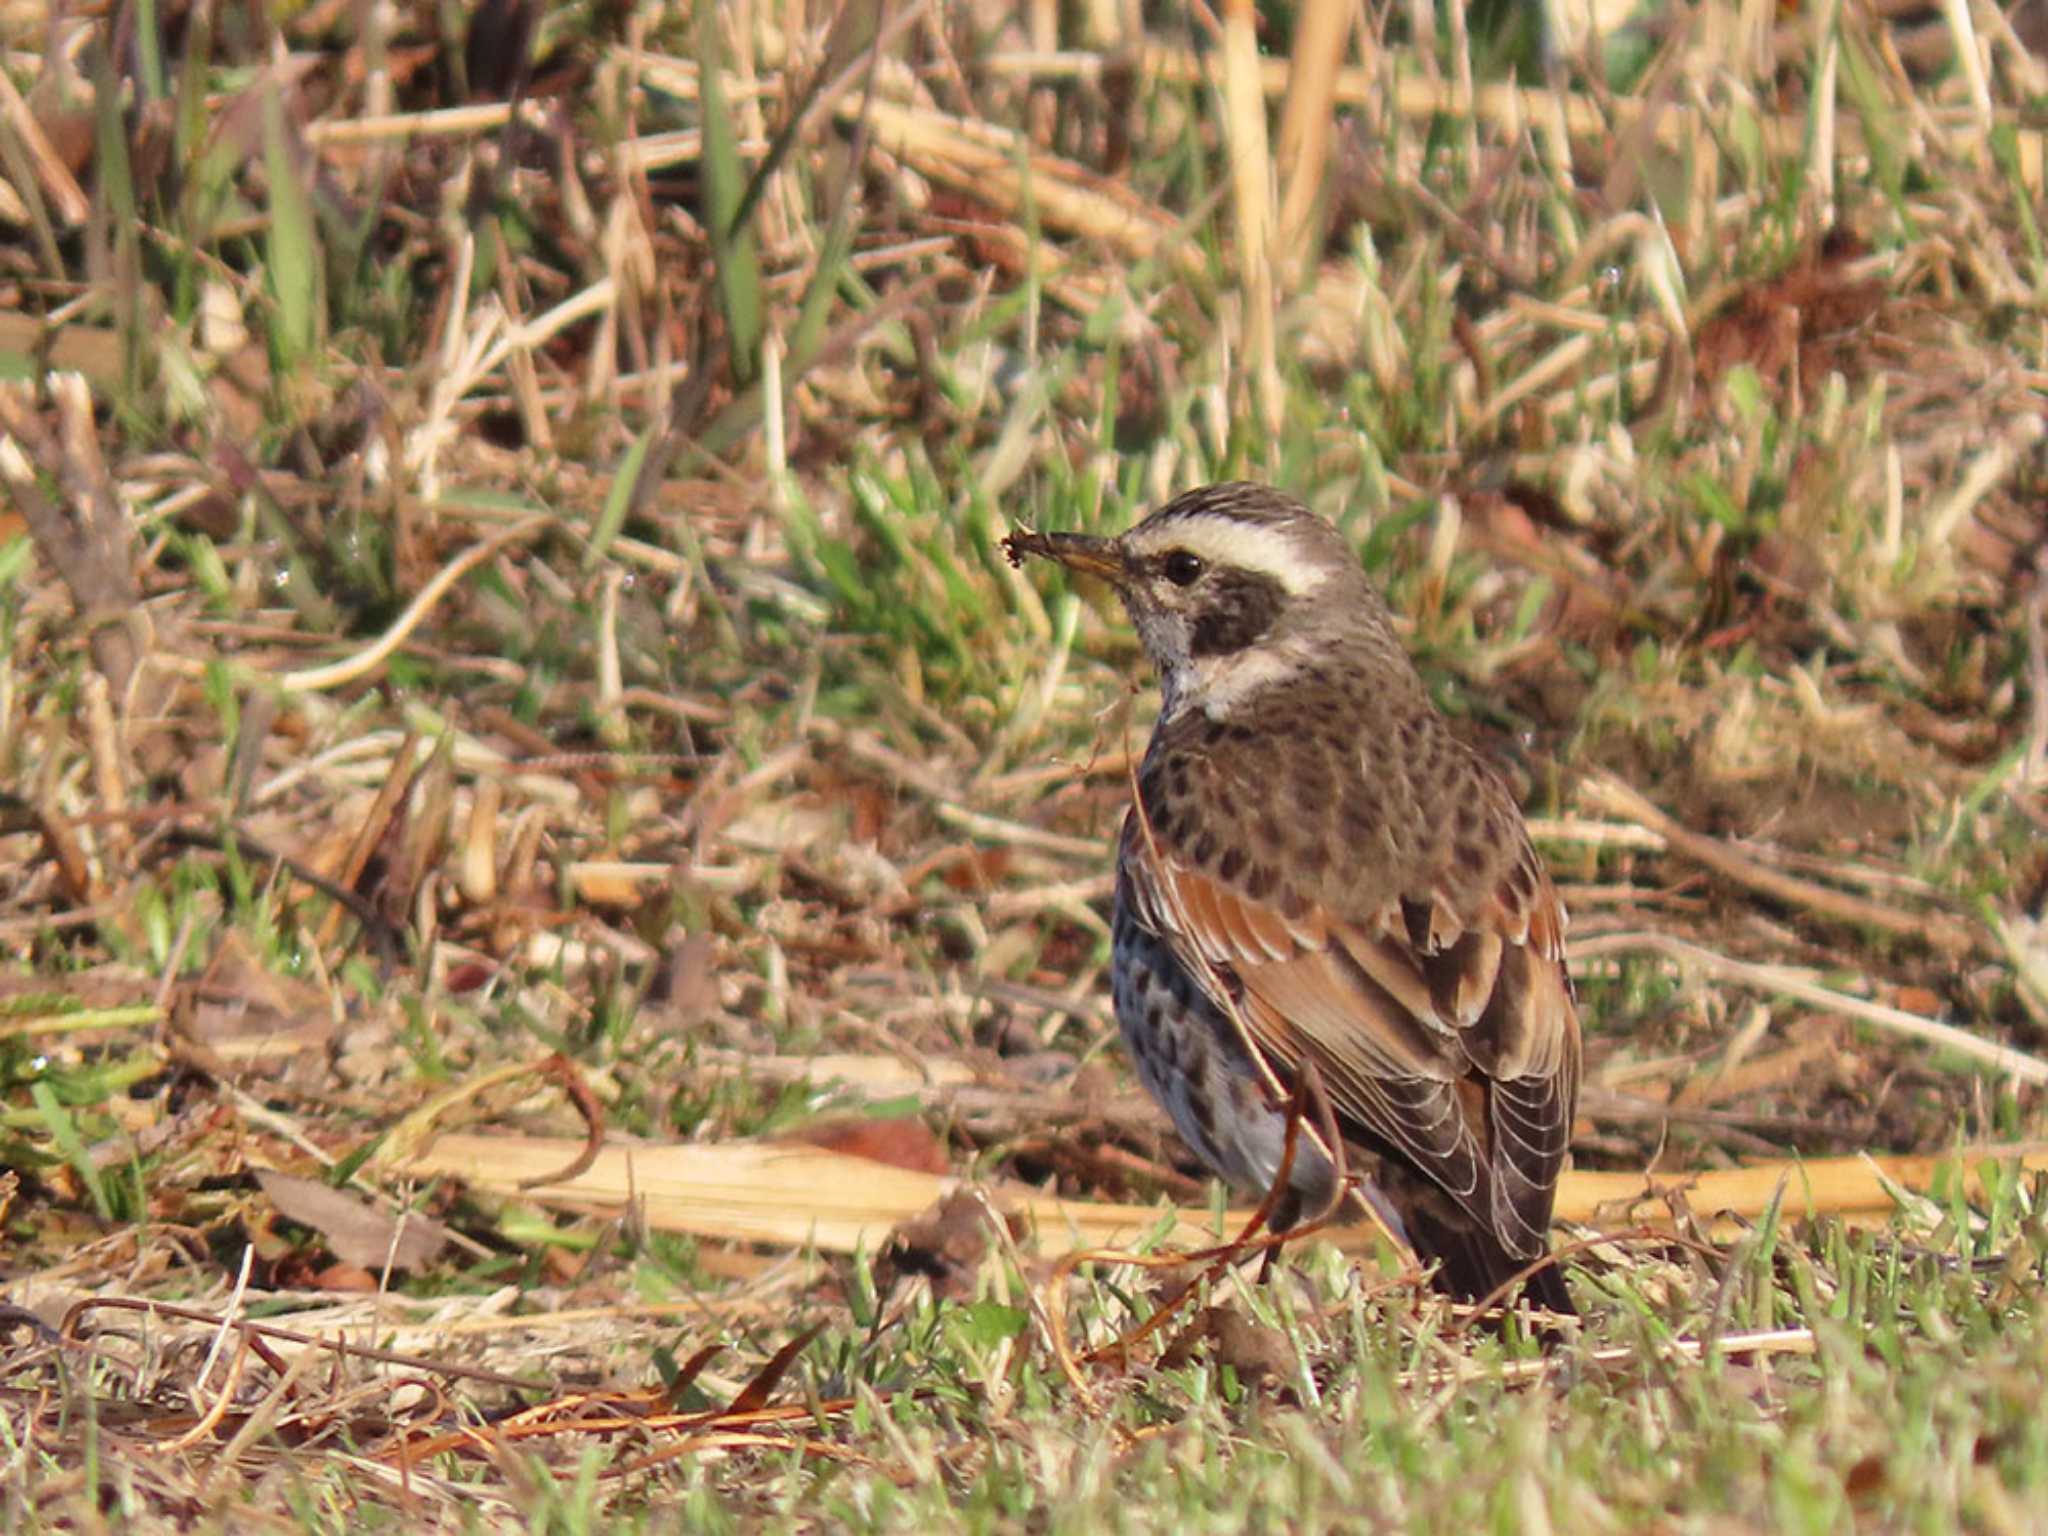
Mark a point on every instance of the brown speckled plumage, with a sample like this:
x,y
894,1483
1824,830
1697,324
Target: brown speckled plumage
x,y
1318,859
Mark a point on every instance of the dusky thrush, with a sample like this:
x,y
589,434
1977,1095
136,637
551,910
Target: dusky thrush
x,y
1319,878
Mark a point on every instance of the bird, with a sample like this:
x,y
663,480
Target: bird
x,y
1320,886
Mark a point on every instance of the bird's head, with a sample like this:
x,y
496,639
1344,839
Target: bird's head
x,y
1233,588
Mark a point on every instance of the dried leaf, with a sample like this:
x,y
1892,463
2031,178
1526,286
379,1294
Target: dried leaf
x,y
356,1231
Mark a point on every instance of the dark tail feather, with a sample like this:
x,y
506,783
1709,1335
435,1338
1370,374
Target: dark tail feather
x,y
1472,1265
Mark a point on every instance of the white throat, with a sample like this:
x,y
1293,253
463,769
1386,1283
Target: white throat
x,y
1218,685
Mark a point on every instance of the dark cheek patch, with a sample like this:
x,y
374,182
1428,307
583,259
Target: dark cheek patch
x,y
1237,609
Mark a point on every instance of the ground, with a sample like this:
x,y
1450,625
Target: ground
x,y
553,882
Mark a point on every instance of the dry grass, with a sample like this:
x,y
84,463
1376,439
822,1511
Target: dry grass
x,y
502,634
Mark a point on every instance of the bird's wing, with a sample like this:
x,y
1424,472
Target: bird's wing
x,y
1451,1039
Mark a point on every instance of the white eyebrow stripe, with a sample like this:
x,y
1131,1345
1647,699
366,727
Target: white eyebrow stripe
x,y
1257,547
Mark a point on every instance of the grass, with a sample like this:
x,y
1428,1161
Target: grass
x,y
510,636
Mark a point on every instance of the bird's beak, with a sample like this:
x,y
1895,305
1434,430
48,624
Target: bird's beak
x,y
1082,552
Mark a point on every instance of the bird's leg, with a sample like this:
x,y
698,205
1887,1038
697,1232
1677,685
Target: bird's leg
x,y
1307,1098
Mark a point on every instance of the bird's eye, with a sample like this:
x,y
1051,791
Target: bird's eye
x,y
1183,568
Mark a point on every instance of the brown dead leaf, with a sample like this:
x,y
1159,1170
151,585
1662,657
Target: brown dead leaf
x,y
355,1231
1799,326
1257,1353
1917,1000
241,1011
1587,600
977,869
685,986
904,1142
868,807
946,1244
343,1277
1866,1479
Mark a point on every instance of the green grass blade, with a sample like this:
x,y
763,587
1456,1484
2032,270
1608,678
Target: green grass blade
x,y
15,161
149,50
63,1129
724,193
2005,148
291,265
618,499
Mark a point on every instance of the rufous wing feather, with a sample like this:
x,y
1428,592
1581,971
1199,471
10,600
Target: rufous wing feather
x,y
1450,1040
